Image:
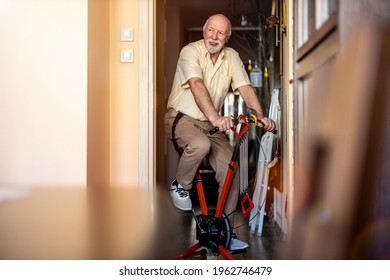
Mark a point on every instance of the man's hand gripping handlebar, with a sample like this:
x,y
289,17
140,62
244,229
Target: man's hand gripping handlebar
x,y
244,122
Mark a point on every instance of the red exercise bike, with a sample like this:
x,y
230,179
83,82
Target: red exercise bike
x,y
213,229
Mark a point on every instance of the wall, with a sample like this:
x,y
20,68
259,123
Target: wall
x,y
124,100
43,98
330,186
357,14
70,109
98,147
113,96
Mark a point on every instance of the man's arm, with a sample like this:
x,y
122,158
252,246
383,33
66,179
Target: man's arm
x,y
251,101
203,100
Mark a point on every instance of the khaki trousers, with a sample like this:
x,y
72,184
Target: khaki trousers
x,y
192,137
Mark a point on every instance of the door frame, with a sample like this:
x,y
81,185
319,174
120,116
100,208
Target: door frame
x,y
146,155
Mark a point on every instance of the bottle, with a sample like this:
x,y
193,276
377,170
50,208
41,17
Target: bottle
x,y
256,76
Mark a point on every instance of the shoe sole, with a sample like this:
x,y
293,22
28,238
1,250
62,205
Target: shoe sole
x,y
182,209
238,249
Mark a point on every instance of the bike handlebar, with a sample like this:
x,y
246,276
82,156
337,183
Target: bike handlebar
x,y
244,120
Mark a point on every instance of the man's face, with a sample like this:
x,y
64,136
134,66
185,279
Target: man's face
x,y
216,34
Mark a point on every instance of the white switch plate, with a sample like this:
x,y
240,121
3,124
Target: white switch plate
x,y
127,56
126,34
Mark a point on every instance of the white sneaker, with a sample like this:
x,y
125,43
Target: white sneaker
x,y
236,244
181,197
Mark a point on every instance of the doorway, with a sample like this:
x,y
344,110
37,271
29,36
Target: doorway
x,y
180,22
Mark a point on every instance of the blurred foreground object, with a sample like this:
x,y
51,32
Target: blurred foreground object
x,y
75,223
344,211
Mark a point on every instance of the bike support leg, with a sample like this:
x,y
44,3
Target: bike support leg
x,y
225,253
201,195
189,251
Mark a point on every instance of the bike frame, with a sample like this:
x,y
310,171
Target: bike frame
x,y
225,188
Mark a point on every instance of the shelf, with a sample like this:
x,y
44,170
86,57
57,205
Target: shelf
x,y
236,28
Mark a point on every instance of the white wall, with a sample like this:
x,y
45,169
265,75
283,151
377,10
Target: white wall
x,y
43,92
125,97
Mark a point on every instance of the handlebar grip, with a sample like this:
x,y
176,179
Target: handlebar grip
x,y
273,131
214,130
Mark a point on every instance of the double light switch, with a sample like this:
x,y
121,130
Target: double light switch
x,y
127,36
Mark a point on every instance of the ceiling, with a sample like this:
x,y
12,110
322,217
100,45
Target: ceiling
x,y
195,12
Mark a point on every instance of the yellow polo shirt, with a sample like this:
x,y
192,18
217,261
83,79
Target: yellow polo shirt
x,y
194,61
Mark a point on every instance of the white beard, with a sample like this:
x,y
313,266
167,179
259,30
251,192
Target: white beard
x,y
213,49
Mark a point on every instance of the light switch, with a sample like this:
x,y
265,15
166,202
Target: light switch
x,y
127,56
126,34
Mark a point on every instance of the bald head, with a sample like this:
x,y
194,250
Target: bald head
x,y
219,20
